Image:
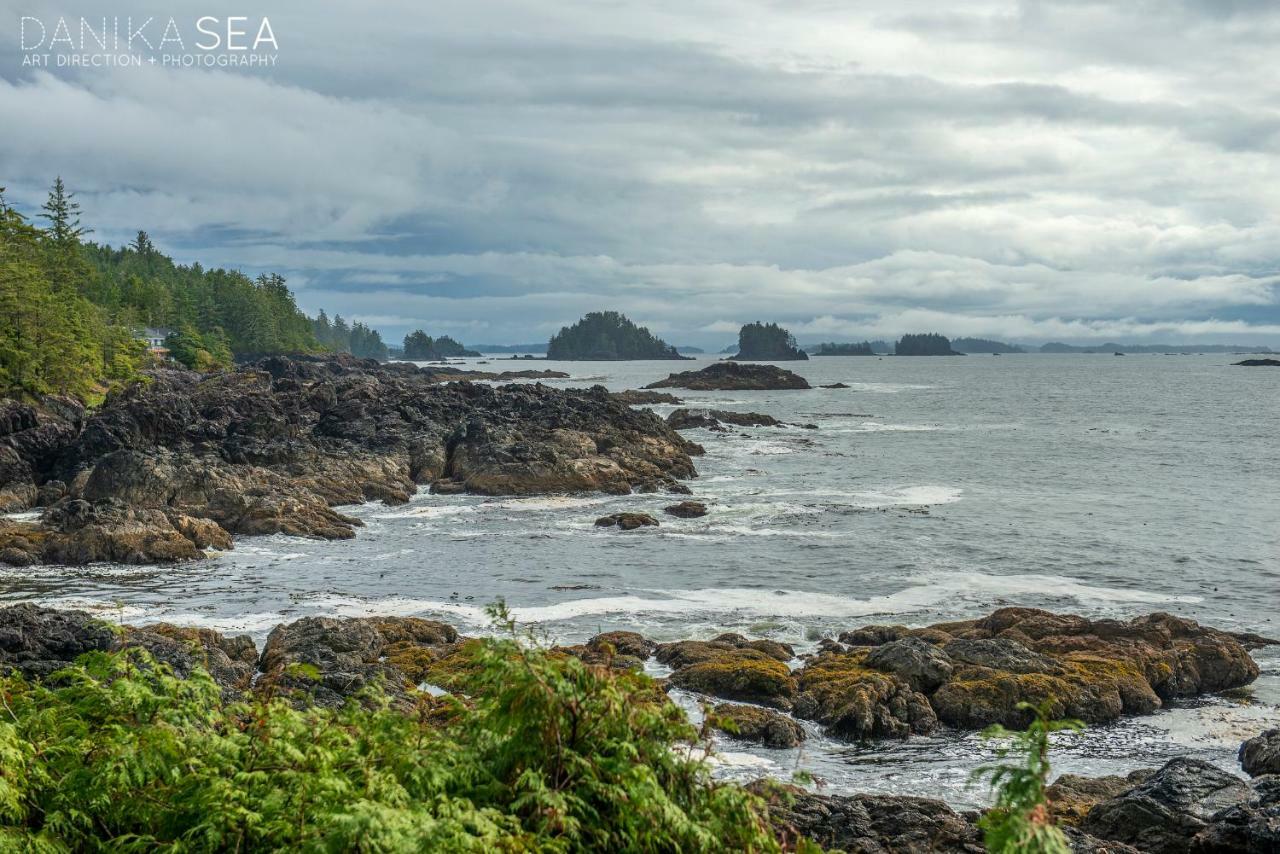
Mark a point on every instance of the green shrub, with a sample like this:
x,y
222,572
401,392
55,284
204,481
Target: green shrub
x,y
550,754
1019,822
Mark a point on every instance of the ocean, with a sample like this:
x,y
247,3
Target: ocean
x,y
935,488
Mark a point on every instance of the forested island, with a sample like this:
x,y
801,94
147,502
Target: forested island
x,y
72,312
984,345
925,344
607,336
1180,349
421,347
767,342
831,348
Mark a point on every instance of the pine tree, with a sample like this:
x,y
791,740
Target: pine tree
x,y
63,213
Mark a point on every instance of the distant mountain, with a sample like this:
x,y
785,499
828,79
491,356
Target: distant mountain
x,y
1055,347
831,348
509,348
608,336
732,348
926,344
685,348
767,342
983,345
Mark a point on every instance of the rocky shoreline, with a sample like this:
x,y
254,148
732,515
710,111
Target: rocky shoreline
x,y
180,463
875,682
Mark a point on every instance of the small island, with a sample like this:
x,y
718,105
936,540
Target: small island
x,y
607,336
767,342
722,376
421,347
831,348
926,344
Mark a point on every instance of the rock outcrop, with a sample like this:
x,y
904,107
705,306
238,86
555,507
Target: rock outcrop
x,y
166,469
732,667
1260,363
715,419
639,397
734,376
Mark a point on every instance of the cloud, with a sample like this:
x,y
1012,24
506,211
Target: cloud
x,y
1044,169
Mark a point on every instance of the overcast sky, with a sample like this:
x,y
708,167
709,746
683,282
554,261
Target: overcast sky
x,y
492,169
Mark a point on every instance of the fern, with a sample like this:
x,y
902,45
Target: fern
x,y
1018,821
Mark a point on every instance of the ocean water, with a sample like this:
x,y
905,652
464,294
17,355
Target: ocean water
x,y
933,489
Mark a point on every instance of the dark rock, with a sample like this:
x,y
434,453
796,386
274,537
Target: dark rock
x,y
626,521
1260,363
1169,809
869,824
753,723
920,664
733,376
733,668
834,385
686,509
1000,654
1261,754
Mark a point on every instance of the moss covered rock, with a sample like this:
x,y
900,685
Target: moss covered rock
x,y
841,691
740,674
753,723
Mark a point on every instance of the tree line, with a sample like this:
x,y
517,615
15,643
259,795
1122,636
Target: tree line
x,y
71,309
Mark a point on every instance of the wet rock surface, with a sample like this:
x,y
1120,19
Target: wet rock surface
x,y
163,470
716,419
686,510
1261,754
733,376
639,397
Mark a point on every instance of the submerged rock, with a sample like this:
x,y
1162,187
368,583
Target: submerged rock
x,y
733,376
753,723
273,446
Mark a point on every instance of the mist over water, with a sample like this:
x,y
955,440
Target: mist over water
x,y
933,489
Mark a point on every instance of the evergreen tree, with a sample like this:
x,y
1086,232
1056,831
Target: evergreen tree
x,y
767,341
63,213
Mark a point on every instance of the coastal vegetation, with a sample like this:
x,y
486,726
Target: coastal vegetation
x,y
924,344
767,342
71,310
545,753
421,347
607,336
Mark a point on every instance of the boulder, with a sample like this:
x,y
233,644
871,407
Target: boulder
x,y
733,668
920,664
686,510
760,725
1261,754
626,521
733,376
1071,796
1166,812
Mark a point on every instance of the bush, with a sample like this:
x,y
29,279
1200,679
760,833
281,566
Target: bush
x,y
548,754
1018,822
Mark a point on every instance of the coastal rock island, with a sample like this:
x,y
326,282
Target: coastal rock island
x,y
177,464
731,376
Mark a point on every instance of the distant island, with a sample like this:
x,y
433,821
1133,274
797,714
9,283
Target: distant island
x,y
1181,349
508,348
421,347
607,336
767,342
926,344
984,345
685,348
862,348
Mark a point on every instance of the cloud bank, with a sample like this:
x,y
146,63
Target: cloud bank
x,y
1030,170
